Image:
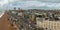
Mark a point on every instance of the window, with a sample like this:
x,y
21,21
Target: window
x,y
39,15
46,18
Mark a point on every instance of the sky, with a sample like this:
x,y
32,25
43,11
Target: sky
x,y
29,4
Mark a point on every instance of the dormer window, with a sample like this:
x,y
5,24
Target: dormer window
x,y
46,18
39,16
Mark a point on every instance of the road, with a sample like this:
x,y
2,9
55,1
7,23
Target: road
x,y
5,24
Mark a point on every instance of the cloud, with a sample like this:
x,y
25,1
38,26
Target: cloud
x,y
39,4
2,2
9,4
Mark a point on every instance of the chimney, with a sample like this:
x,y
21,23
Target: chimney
x,y
18,8
14,8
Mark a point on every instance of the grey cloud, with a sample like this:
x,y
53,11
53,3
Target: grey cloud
x,y
38,4
54,1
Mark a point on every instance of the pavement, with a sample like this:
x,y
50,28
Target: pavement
x,y
5,24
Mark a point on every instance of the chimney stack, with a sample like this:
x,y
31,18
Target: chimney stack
x,y
18,8
14,8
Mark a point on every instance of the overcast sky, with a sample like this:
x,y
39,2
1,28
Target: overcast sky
x,y
29,4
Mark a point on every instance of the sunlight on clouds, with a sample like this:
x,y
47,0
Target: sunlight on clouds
x,y
2,2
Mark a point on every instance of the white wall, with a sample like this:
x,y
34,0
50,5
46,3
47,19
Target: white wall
x,y
1,14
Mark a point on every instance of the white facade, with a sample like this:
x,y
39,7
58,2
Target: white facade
x,y
1,14
53,25
13,12
20,14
